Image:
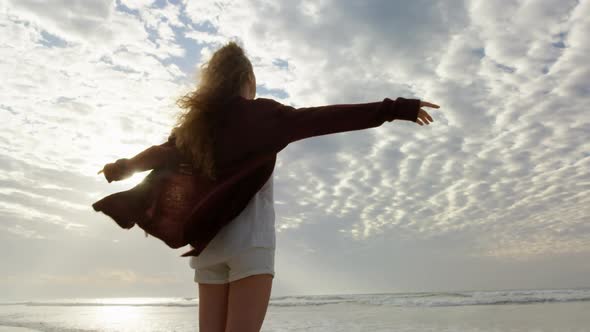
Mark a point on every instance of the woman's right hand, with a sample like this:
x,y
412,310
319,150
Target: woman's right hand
x,y
423,116
117,171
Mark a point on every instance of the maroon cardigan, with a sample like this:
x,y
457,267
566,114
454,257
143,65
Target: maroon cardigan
x,y
179,206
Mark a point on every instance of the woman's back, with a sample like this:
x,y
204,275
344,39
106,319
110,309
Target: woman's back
x,y
253,227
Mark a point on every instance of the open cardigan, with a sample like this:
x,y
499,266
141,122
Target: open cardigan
x,y
180,206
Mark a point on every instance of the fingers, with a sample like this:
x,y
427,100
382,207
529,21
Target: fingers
x,y
425,103
113,172
424,117
116,172
109,172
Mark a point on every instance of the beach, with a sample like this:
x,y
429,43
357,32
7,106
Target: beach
x,y
515,317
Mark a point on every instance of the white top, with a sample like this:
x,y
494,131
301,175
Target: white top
x,y
253,227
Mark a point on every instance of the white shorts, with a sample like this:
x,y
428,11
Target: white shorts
x,y
254,260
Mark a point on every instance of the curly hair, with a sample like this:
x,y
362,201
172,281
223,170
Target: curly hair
x,y
220,79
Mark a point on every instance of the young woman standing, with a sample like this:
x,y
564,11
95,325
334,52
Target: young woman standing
x,y
224,125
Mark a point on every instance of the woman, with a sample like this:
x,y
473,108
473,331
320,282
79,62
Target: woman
x,y
227,304
223,126
236,269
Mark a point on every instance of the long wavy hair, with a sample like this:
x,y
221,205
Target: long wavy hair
x,y
220,79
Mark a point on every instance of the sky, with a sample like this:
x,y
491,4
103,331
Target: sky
x,y
494,194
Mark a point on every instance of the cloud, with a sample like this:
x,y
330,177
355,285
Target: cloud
x,y
500,176
97,277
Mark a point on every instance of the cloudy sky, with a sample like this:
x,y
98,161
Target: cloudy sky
x,y
494,194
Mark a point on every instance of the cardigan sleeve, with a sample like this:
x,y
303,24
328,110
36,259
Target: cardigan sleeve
x,y
291,124
155,156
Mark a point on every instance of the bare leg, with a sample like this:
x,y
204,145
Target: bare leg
x,y
212,307
247,303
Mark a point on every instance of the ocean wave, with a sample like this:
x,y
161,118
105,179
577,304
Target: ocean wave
x,y
423,299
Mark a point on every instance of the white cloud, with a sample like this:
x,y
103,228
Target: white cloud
x,y
499,175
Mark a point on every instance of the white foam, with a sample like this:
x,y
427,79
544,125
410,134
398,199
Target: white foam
x,y
425,299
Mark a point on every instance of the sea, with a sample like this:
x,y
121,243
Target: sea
x,y
498,310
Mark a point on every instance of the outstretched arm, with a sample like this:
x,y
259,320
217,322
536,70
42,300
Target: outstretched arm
x,y
150,158
153,157
304,122
285,124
